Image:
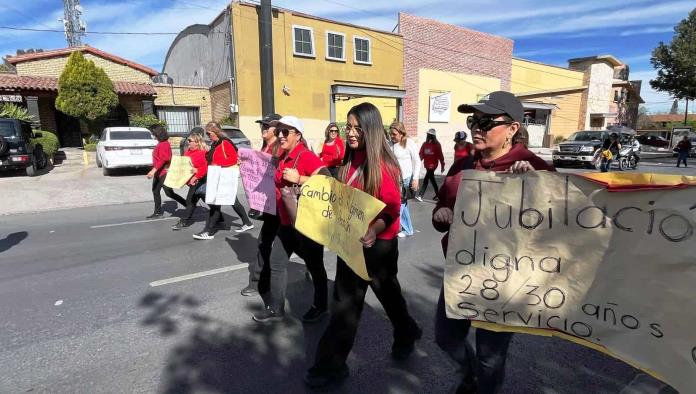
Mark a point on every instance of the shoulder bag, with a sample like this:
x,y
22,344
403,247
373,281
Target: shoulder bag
x,y
290,195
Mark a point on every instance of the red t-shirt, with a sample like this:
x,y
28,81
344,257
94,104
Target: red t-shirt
x,y
224,155
161,156
306,164
431,154
269,149
462,151
389,193
332,155
198,161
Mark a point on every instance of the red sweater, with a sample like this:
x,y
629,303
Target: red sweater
x,y
306,165
462,151
389,193
199,162
332,155
161,156
448,192
224,155
431,154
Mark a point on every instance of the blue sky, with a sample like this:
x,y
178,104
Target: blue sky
x,y
546,31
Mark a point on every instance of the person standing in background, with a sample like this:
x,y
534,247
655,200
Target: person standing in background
x,y
431,154
406,153
683,148
462,147
332,150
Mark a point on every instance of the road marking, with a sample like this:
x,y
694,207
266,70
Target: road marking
x,y
58,303
136,222
198,275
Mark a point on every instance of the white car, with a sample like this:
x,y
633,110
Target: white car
x,y
125,147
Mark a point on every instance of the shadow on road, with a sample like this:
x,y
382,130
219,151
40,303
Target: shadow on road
x,y
12,239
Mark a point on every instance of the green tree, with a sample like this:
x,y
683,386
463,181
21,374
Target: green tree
x,y
676,62
84,90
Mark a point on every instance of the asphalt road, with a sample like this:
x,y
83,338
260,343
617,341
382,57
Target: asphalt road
x,y
87,307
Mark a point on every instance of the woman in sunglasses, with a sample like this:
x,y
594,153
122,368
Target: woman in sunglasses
x,y
332,149
294,168
197,148
499,145
371,167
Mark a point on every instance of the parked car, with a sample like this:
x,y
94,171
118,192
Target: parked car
x,y
653,140
233,133
125,147
17,150
579,148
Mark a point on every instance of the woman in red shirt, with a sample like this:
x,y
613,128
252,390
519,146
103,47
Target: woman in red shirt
x,y
462,147
161,156
431,154
332,150
295,167
371,167
499,145
222,153
197,148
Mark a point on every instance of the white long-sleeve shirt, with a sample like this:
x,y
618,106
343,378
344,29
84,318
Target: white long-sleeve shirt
x,y
408,158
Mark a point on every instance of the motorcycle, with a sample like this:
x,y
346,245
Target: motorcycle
x,y
628,158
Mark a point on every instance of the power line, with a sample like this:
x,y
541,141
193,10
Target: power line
x,y
86,32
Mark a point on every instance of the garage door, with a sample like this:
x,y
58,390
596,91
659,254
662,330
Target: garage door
x,y
180,120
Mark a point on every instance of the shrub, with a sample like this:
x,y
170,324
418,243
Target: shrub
x,y
48,141
90,147
146,121
14,111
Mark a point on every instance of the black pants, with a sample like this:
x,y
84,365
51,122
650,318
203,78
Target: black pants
x,y
191,201
488,364
215,215
348,300
157,185
429,176
269,229
334,172
274,275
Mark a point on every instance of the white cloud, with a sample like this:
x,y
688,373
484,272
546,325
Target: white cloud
x,y
647,30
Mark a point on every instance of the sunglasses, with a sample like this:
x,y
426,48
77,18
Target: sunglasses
x,y
286,132
357,129
191,141
333,131
485,123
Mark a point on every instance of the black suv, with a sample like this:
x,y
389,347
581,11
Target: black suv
x,y
17,150
579,148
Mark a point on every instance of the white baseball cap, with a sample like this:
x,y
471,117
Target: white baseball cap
x,y
431,132
293,122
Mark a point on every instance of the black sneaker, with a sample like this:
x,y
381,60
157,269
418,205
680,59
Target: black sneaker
x,y
155,215
249,291
316,378
181,224
402,349
268,315
313,315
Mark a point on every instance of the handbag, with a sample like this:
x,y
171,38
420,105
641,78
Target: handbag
x,y
290,195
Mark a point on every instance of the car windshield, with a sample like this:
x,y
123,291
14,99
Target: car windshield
x,y
7,129
130,135
234,133
585,136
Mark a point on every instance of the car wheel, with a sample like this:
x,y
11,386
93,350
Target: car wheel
x,y
623,164
106,171
99,163
41,159
32,170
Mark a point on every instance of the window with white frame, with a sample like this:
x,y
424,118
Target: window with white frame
x,y
303,41
335,46
362,50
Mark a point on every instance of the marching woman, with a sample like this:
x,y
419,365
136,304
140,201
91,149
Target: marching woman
x,y
222,153
197,148
370,166
462,147
431,154
406,153
161,156
332,149
295,167
499,145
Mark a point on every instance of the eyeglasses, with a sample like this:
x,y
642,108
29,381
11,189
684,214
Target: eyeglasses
x,y
190,141
333,131
485,123
286,132
350,128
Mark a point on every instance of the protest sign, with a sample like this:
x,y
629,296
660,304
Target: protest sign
x,y
257,179
221,185
549,253
336,216
179,172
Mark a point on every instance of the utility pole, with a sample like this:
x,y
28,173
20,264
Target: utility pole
x,y
266,52
72,25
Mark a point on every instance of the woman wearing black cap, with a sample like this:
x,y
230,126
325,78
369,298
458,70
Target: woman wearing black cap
x,y
499,145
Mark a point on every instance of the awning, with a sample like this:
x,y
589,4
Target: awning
x,y
366,91
604,115
549,107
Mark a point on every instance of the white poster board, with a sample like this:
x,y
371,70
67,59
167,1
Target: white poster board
x,y
440,105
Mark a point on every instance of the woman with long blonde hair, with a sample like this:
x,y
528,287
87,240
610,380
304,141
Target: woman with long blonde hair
x,y
197,148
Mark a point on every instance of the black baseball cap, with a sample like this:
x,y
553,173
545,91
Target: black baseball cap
x,y
269,119
497,103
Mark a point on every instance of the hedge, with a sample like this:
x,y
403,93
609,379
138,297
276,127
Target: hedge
x,y
48,141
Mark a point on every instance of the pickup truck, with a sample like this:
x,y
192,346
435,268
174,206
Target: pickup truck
x,y
579,148
17,151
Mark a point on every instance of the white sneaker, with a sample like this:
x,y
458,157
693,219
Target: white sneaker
x,y
401,234
419,198
203,235
245,228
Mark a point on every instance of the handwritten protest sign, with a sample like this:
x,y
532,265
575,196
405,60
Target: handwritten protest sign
x,y
257,178
336,216
610,270
179,172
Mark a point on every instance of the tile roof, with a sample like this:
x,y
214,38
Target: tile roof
x,y
670,117
86,48
50,84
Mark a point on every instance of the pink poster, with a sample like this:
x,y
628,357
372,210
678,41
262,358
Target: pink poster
x,y
257,172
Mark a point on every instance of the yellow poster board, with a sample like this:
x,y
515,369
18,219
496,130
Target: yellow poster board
x,y
336,216
558,254
179,172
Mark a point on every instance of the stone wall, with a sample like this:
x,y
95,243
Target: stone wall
x,y
53,67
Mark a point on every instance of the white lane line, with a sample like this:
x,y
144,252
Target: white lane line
x,y
137,222
198,275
